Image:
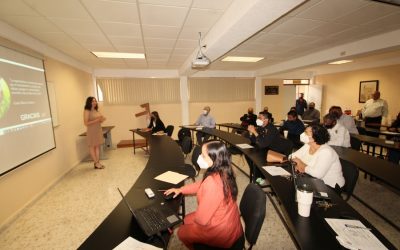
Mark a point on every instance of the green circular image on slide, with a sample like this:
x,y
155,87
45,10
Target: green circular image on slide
x,y
5,97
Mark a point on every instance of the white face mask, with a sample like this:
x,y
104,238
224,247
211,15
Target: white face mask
x,y
202,163
205,112
305,138
259,122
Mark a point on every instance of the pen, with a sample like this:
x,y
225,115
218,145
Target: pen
x,y
162,190
356,227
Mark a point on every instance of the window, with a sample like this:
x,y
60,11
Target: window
x,y
139,90
221,89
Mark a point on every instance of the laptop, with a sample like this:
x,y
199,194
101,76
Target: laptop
x,y
320,190
153,218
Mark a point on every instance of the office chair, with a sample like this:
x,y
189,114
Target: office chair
x,y
252,208
350,174
169,130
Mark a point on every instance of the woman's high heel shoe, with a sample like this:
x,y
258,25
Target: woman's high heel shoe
x,y
97,165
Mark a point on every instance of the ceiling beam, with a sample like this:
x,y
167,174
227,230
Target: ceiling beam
x,y
379,43
242,19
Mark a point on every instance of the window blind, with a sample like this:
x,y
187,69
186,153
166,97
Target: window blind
x,y
139,90
221,89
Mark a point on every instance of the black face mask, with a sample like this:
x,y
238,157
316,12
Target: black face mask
x,y
250,112
311,108
329,126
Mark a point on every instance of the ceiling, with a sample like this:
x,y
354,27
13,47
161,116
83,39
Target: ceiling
x,y
167,30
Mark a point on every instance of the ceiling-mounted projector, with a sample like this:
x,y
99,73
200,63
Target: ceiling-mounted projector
x,y
201,61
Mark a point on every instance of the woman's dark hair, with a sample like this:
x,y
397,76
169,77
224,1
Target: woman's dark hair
x,y
88,105
320,134
221,158
156,115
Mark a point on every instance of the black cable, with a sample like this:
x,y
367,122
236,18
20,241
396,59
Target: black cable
x,y
163,241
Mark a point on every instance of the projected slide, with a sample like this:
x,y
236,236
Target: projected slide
x,y
26,129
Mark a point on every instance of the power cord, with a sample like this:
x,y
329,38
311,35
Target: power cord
x,y
163,241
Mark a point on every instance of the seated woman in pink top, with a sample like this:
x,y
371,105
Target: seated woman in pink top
x,y
216,222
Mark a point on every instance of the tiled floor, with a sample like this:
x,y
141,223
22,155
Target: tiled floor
x,y
69,212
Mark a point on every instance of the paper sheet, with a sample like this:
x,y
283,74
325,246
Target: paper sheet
x,y
131,243
390,133
244,145
171,177
274,171
352,234
192,126
159,133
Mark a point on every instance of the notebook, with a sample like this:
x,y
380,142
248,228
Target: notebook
x,y
154,218
320,190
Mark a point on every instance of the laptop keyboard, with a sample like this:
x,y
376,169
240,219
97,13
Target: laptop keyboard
x,y
154,218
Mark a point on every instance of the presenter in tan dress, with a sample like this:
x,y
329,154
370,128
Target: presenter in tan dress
x,y
93,119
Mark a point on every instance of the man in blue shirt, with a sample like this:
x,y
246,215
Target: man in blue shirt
x,y
295,128
207,121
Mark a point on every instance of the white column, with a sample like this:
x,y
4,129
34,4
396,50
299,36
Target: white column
x,y
258,94
183,83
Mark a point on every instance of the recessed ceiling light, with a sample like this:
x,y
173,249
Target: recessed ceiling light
x,y
241,59
341,62
119,55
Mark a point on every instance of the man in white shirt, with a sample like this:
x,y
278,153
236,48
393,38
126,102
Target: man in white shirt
x,y
346,120
205,120
374,109
340,136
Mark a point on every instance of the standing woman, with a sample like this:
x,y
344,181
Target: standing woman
x,y
92,120
216,222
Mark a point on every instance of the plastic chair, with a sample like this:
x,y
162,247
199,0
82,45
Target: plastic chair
x,y
252,209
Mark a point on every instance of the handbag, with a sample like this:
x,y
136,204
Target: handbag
x,y
273,156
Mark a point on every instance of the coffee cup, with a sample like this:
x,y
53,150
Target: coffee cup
x,y
285,133
304,194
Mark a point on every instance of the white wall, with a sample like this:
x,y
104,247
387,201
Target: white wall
x,y
20,187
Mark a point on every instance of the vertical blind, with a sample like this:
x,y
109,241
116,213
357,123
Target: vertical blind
x,y
139,90
221,89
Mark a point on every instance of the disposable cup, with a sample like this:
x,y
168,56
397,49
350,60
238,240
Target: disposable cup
x,y
285,133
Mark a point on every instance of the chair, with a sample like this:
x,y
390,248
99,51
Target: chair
x,y
252,208
186,145
355,143
169,130
350,174
190,170
283,146
361,131
195,155
182,133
